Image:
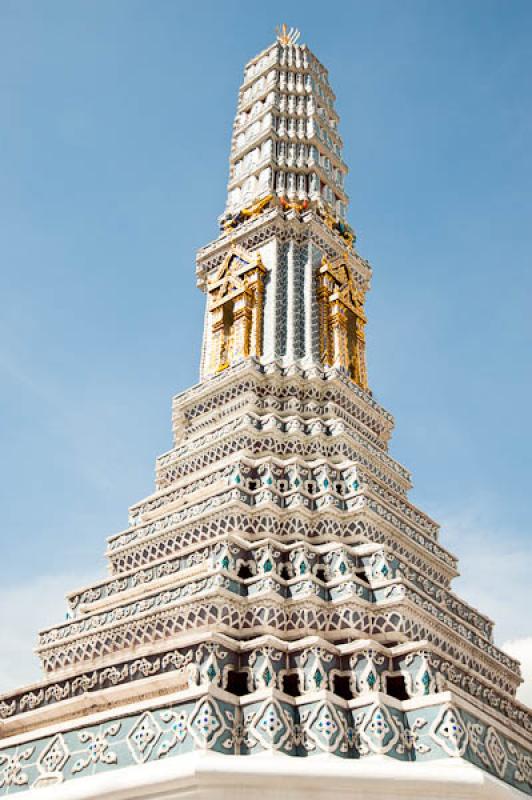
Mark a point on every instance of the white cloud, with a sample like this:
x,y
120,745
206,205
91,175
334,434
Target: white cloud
x,y
24,609
494,578
494,569
522,650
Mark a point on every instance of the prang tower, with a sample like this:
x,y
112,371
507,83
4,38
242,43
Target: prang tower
x,y
277,616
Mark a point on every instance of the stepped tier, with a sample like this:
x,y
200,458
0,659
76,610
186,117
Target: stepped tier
x,y
319,559
403,670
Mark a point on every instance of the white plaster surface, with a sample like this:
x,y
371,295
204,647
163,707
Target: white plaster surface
x,y
273,776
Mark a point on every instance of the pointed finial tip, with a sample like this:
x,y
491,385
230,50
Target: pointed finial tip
x,y
285,35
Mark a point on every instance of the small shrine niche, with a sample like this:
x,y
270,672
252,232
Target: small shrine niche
x,y
235,303
342,321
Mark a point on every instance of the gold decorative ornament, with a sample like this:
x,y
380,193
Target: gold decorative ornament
x,y
296,206
287,36
342,320
337,226
244,214
235,310
257,208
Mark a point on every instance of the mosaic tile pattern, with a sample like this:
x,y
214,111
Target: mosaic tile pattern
x,y
322,725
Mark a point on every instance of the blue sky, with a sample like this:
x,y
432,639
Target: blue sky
x,y
115,121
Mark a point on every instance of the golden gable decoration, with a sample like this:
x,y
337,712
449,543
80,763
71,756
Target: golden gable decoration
x,y
342,320
235,308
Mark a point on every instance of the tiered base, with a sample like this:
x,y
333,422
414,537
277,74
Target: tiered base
x,y
267,738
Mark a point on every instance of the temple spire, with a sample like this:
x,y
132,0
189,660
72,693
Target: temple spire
x,y
285,135
293,289
277,594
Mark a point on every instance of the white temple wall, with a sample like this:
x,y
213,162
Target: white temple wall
x,y
268,254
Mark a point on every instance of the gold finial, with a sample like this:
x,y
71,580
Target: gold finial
x,y
287,36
